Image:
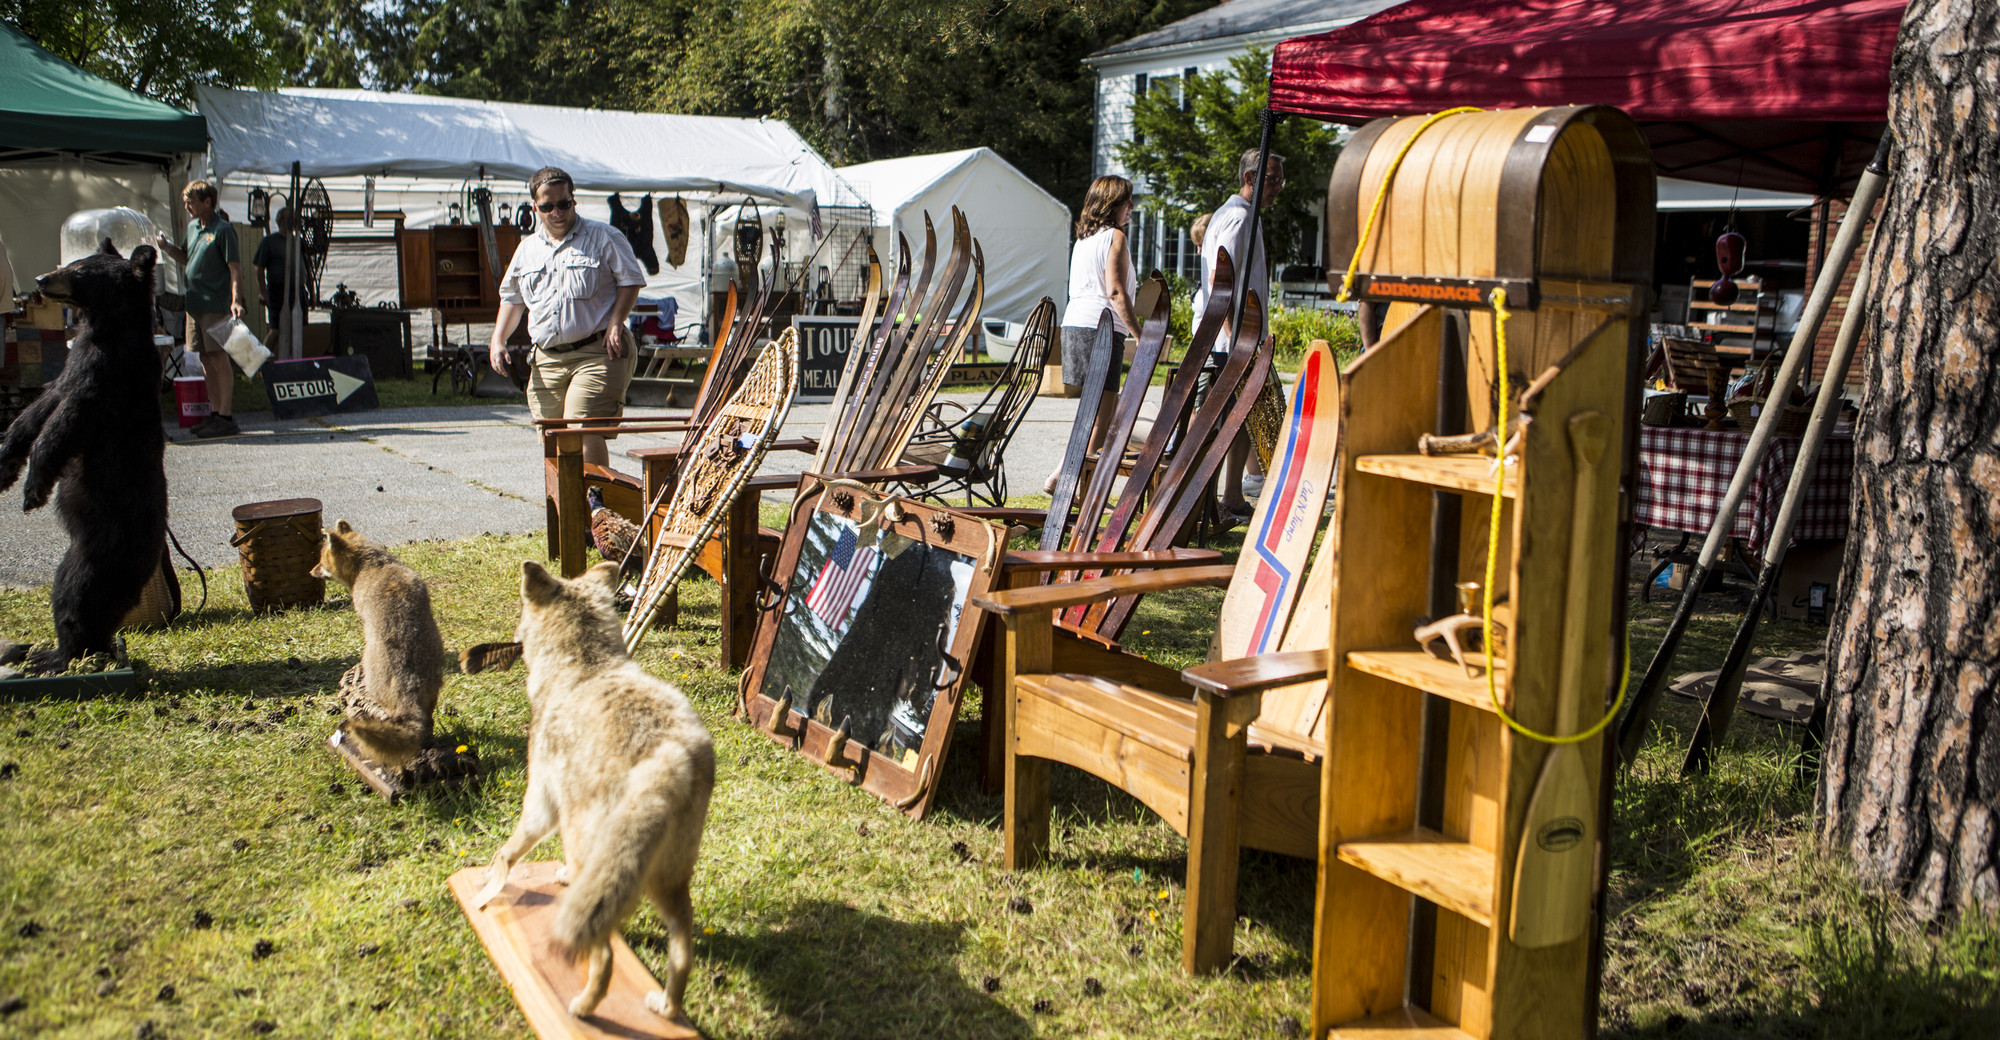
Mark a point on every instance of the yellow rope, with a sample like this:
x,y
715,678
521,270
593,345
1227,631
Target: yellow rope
x,y
1499,299
1382,195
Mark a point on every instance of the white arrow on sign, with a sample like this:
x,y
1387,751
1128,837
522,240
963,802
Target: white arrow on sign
x,y
344,385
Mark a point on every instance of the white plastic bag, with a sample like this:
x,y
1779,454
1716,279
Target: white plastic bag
x,y
241,344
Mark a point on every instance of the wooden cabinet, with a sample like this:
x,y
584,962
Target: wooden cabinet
x,y
446,267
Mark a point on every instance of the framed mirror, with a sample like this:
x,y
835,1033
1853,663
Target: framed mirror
x,y
867,633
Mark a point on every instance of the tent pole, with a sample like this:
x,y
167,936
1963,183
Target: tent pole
x,y
1632,728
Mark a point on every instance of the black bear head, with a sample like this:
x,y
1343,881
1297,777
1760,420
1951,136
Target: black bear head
x,y
104,282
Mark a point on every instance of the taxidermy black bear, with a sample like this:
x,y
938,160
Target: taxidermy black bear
x,y
94,438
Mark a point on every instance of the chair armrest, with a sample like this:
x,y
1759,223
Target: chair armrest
x,y
1256,674
763,482
1010,602
610,420
923,474
1028,561
805,444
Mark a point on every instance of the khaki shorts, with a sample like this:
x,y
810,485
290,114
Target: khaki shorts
x,y
199,339
579,384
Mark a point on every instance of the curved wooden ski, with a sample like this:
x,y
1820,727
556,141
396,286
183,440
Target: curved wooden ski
x,y
934,377
1152,343
861,364
1222,283
1054,524
1203,446
864,338
726,454
884,444
911,354
1268,577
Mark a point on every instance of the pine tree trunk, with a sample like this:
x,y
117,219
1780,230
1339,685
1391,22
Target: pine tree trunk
x,y
1910,786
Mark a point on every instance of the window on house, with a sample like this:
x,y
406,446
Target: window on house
x,y
1187,77
1139,88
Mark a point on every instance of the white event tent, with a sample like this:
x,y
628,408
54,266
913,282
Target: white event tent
x,y
422,150
1022,230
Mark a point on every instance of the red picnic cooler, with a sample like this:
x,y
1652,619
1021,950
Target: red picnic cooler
x,y
191,397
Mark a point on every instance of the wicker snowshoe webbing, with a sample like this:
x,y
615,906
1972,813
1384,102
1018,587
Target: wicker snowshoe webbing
x,y
894,373
726,454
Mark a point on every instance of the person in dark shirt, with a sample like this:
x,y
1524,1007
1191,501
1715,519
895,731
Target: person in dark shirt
x,y
270,260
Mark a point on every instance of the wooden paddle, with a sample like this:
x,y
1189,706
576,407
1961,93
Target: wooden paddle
x,y
1551,904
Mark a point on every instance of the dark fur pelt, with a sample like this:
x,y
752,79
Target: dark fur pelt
x,y
94,438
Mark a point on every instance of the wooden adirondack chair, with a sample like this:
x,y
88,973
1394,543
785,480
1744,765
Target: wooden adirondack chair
x,y
1142,526
968,444
1223,765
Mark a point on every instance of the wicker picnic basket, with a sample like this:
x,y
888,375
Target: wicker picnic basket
x,y
159,602
279,542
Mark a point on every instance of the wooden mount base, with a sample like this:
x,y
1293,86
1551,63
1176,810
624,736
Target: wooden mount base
x,y
514,928
392,783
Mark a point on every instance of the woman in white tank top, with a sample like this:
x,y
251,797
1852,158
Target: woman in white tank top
x,y
1101,277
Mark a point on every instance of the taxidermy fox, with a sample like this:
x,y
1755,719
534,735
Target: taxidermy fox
x,y
620,761
391,694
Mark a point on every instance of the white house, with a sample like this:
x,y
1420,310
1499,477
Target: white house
x,y
1159,60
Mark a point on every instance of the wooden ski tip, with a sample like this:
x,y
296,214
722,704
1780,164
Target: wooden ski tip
x,y
488,657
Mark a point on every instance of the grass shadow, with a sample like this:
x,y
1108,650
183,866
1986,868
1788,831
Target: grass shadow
x,y
830,970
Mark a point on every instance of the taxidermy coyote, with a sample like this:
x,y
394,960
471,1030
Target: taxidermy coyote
x,y
391,694
622,764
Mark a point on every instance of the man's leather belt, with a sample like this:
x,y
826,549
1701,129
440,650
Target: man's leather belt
x,y
564,348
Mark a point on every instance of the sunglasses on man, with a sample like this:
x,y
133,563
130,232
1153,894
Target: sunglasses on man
x,y
565,205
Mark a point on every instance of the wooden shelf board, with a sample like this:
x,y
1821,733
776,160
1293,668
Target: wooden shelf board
x,y
1453,874
1473,473
1404,1021
1707,306
1420,671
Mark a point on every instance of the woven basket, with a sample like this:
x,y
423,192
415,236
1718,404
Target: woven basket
x,y
279,542
1663,409
159,602
1791,423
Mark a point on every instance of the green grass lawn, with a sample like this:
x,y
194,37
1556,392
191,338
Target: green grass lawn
x,y
158,843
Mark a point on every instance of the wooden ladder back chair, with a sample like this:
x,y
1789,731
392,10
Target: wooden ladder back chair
x,y
975,462
1171,740
1444,829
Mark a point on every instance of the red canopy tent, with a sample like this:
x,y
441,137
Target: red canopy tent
x,y
1789,95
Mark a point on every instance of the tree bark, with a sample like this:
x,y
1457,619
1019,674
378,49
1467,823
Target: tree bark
x,y
1910,786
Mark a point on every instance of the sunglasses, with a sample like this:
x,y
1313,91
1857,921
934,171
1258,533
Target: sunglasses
x,y
564,205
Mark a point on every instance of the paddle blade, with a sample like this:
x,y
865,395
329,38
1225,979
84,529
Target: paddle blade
x,y
1552,872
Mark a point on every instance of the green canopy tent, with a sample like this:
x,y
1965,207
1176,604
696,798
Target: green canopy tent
x,y
71,140
47,104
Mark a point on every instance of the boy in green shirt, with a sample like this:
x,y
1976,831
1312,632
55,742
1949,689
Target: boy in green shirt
x,y
213,264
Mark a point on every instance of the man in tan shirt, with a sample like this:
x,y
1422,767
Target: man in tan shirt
x,y
577,280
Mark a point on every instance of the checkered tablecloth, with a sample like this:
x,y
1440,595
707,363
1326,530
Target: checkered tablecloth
x,y
1684,473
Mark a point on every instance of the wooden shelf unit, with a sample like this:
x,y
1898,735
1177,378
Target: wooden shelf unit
x,y
1761,310
446,267
1426,792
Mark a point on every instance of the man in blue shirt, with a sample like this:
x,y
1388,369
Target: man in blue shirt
x,y
213,264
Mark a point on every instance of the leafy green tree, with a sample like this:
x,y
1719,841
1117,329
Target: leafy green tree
x,y
160,48
1185,150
